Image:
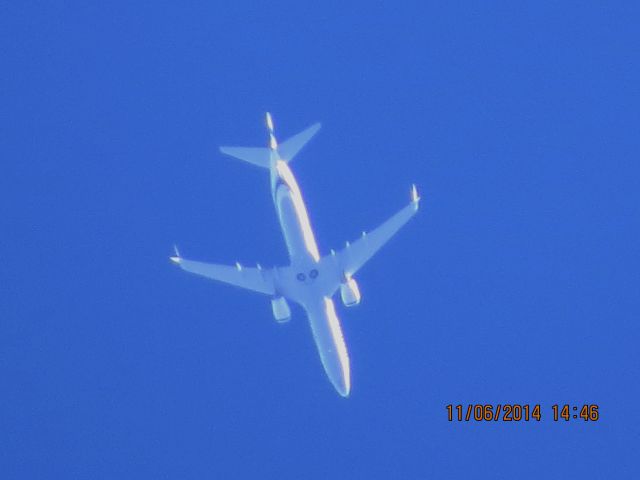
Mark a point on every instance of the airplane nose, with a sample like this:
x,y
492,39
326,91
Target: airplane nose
x,y
340,378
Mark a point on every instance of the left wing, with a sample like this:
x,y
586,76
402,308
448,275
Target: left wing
x,y
250,278
351,258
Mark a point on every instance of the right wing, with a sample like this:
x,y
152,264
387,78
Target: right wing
x,y
250,278
351,258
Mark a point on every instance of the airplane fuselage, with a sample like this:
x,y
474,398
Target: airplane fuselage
x,y
292,214
304,281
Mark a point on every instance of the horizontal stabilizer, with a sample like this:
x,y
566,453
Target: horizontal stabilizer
x,y
256,155
290,148
263,157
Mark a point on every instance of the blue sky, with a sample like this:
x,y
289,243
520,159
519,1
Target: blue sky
x,y
516,283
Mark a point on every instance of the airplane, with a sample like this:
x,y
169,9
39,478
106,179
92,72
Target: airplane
x,y
310,280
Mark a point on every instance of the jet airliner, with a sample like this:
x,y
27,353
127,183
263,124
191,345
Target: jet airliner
x,y
311,280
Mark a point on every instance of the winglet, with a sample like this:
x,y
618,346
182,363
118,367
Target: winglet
x,y
415,198
176,258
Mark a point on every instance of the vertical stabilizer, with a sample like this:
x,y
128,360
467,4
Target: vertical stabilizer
x,y
273,143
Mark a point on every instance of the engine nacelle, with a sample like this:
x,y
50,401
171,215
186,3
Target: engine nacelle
x,y
350,293
281,310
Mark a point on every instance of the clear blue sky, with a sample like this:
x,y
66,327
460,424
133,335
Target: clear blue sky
x,y
517,282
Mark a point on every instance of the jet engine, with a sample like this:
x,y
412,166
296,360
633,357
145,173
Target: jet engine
x,y
281,310
350,293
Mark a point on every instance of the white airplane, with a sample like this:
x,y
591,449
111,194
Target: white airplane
x,y
309,280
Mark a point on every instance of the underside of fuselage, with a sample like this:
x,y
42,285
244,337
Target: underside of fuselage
x,y
309,283
290,224
292,214
327,335
305,280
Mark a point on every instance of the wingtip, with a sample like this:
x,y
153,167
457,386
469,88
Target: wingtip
x,y
176,258
415,197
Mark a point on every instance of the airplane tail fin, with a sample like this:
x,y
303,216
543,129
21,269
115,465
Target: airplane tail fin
x,y
287,150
